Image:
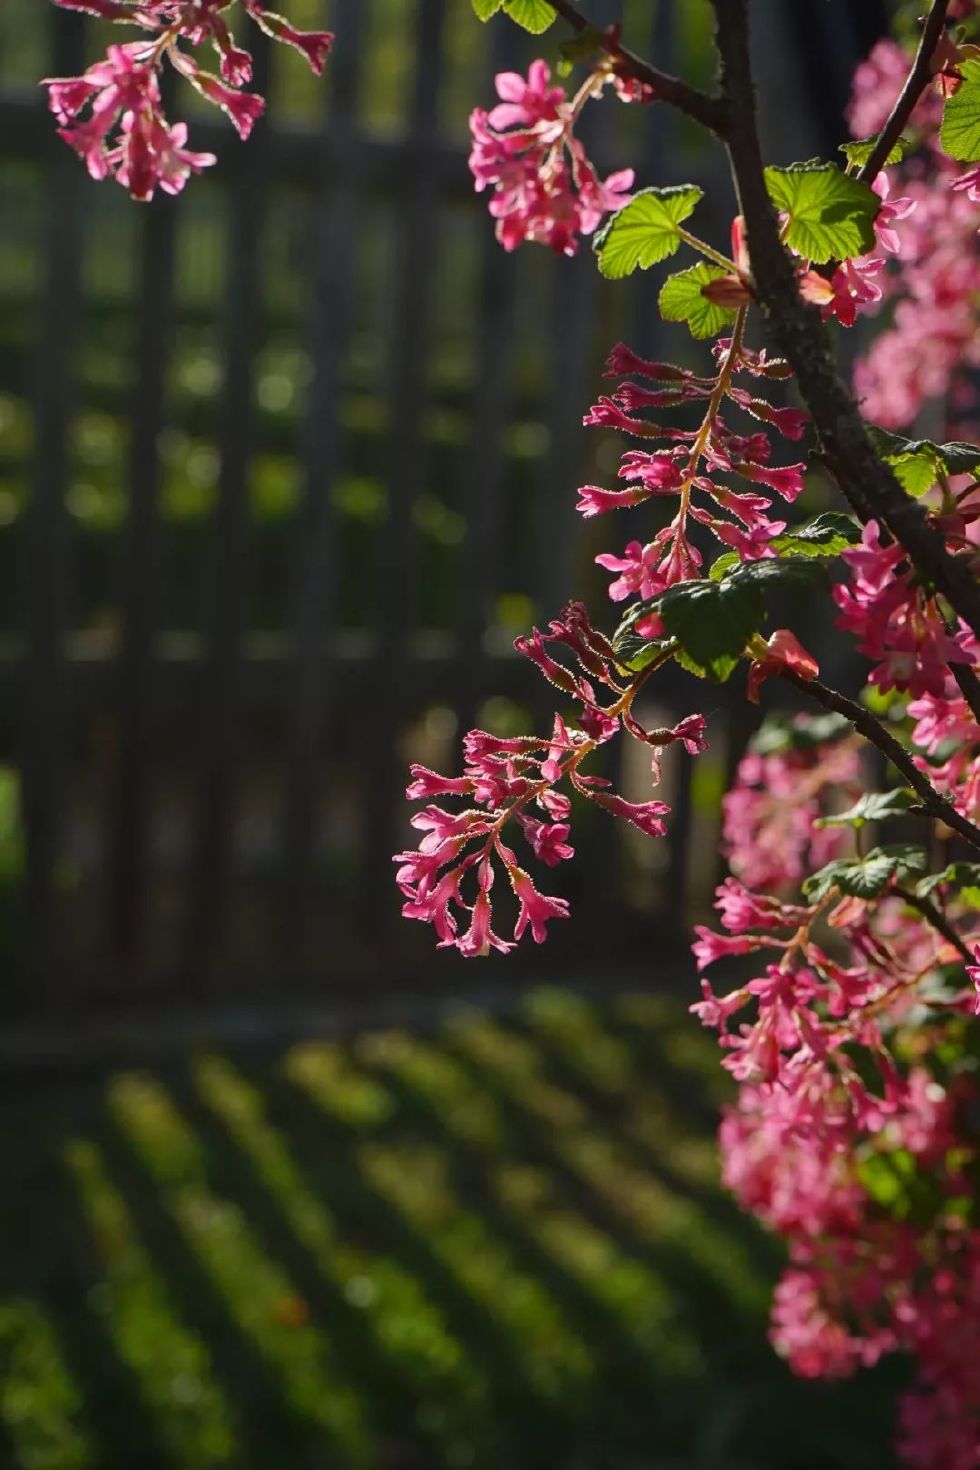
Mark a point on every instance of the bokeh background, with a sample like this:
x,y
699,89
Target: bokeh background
x,y
285,465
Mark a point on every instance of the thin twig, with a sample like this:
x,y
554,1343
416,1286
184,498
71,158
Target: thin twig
x,y
915,84
873,730
865,481
690,100
937,919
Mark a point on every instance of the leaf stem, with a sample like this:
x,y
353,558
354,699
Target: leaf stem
x,y
706,250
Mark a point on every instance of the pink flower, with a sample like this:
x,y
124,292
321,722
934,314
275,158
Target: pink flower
x,y
973,974
785,652
536,909
544,188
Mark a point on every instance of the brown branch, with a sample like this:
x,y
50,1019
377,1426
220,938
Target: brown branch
x,y
865,481
874,731
938,920
698,105
915,84
969,686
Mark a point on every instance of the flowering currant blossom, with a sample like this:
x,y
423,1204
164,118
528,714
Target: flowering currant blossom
x,y
544,187
516,781
112,115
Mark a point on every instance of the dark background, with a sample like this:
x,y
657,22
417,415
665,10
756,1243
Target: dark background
x,y
285,465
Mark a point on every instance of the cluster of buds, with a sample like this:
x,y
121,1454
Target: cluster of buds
x,y
515,781
112,115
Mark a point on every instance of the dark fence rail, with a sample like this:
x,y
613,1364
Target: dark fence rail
x,y
284,465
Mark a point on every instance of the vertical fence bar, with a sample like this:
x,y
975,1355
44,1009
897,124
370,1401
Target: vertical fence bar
x,y
492,393
136,672
416,272
221,693
315,560
44,728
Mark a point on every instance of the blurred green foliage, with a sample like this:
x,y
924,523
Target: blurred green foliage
x,y
500,1241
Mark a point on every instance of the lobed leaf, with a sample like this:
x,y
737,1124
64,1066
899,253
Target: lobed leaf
x,y
866,877
959,135
918,463
645,230
681,300
859,150
874,806
827,535
965,876
830,214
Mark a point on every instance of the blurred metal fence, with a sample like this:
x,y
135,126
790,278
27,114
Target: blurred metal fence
x,y
284,465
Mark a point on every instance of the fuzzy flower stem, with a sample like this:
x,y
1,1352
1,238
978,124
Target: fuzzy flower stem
x,y
873,730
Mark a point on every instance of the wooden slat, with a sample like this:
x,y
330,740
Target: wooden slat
x,y
312,697
494,320
221,701
45,708
416,270
137,683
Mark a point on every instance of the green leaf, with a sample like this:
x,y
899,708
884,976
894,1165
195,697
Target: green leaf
x,y
681,301
636,653
723,565
644,231
866,877
534,15
918,463
860,150
963,875
831,214
484,9
827,535
959,135
712,621
874,806
777,572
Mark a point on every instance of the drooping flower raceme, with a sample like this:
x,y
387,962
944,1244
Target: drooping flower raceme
x,y
525,150
113,116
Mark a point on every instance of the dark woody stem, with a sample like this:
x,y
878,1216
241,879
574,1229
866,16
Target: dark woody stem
x,y
865,481
698,105
916,82
938,921
873,730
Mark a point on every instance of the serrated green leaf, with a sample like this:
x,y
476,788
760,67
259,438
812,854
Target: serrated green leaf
x,y
874,806
720,568
959,135
918,463
484,9
644,231
866,877
636,653
534,15
712,621
860,150
827,535
681,300
962,875
792,571
831,214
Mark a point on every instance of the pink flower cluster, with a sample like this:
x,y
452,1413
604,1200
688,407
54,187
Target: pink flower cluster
x,y
112,115
855,287
930,347
524,149
839,1111
689,461
514,780
895,622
